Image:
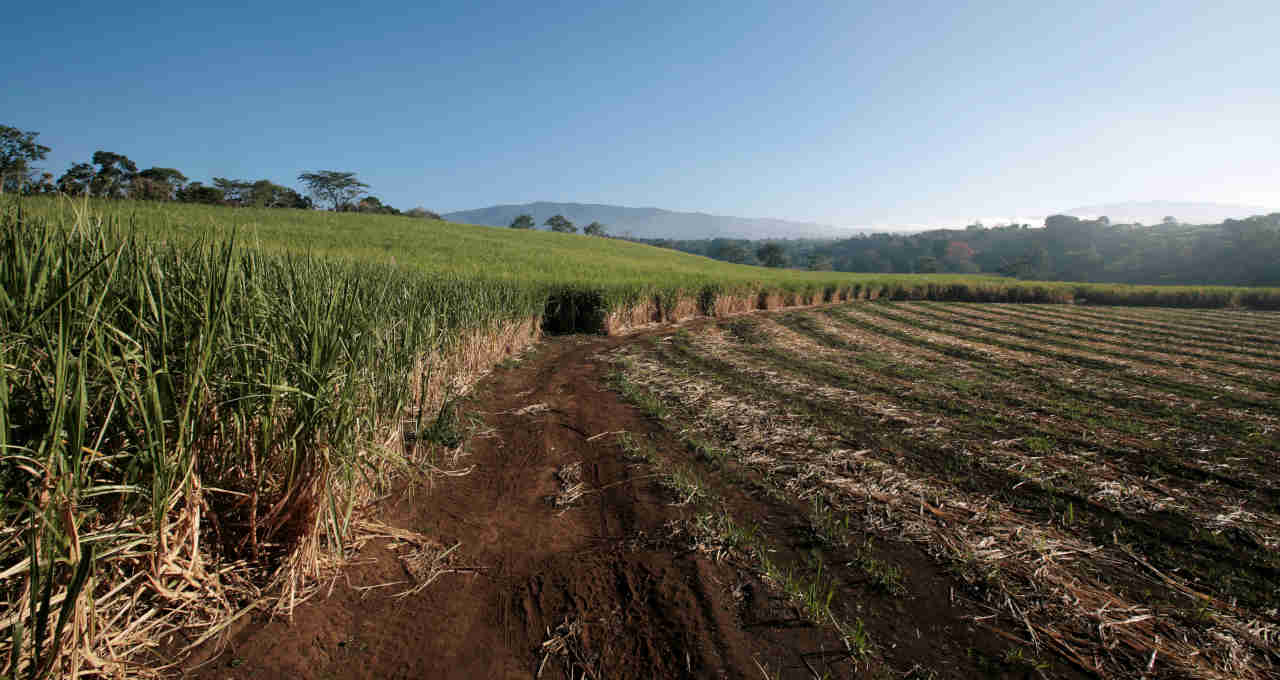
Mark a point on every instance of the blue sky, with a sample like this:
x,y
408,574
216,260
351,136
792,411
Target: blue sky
x,y
846,113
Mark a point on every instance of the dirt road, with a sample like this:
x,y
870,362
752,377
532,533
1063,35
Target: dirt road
x,y
604,585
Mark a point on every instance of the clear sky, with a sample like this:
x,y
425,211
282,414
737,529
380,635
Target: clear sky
x,y
846,113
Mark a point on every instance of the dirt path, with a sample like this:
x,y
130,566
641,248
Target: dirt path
x,y
604,576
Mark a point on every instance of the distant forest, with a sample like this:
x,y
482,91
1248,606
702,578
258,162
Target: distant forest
x,y
1235,252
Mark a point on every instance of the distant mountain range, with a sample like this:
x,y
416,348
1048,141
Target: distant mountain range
x,y
1151,212
652,222
656,223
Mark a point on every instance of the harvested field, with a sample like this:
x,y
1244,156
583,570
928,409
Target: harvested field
x,y
1107,499
870,490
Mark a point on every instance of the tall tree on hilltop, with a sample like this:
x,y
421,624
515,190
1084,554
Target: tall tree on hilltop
x,y
373,204
423,213
158,184
114,176
76,179
44,185
234,191
559,223
523,222
197,192
18,154
333,188
267,194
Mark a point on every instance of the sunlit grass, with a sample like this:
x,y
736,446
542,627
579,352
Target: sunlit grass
x,y
167,403
620,272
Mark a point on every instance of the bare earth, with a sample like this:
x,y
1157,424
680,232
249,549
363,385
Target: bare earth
x,y
608,583
906,491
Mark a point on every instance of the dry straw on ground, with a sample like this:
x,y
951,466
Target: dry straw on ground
x,y
1046,586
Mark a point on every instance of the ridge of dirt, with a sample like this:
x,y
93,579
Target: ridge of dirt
x,y
596,587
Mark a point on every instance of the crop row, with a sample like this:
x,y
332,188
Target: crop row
x,y
1048,504
1027,444
169,410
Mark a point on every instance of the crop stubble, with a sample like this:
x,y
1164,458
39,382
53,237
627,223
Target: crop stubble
x,y
1122,539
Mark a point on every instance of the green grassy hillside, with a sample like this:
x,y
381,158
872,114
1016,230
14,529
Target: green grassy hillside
x,y
614,273
530,256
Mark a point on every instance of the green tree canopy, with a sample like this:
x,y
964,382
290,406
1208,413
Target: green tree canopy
x,y
76,179
267,194
43,185
523,222
161,184
1062,224
196,192
114,176
423,213
818,262
333,188
234,191
559,223
373,204
772,255
18,154
144,189
594,229
729,251
1235,252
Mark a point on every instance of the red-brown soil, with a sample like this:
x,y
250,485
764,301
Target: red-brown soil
x,y
643,603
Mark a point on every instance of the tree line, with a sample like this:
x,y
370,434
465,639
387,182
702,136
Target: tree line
x,y
108,174
558,223
1234,252
801,253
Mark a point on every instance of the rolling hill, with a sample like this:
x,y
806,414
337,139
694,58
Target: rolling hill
x,y
652,222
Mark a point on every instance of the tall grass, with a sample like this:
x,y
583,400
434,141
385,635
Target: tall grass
x,y
194,401
166,408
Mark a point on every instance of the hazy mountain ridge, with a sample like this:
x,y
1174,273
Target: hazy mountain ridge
x,y
654,223
1186,212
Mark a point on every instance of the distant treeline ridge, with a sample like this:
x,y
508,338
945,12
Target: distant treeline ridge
x,y
1234,252
108,174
